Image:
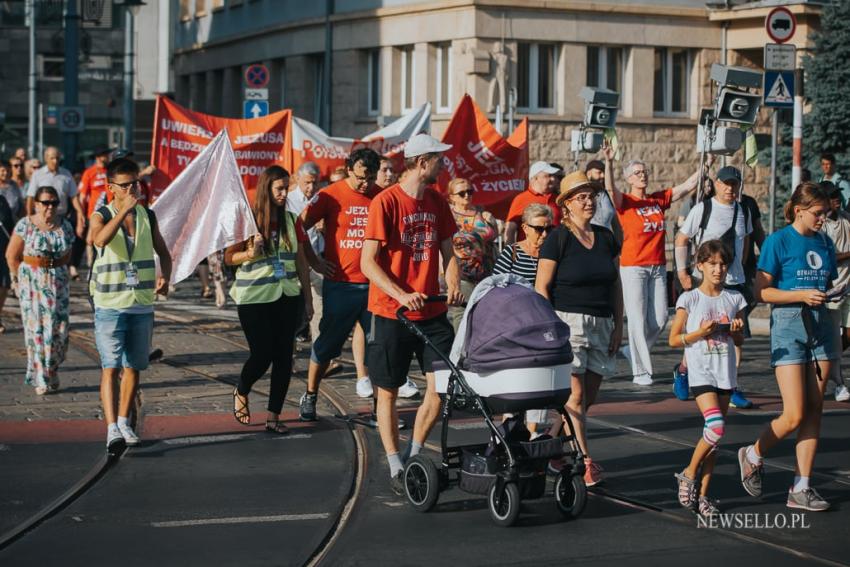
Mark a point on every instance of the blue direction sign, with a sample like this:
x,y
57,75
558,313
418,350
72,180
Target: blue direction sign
x,y
255,108
779,89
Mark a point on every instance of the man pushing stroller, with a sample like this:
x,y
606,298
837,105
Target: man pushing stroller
x,y
409,226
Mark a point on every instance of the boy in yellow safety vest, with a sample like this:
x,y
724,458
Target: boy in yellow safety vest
x,y
124,285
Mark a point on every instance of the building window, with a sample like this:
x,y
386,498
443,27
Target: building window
x,y
444,75
671,92
51,67
408,71
536,64
605,67
318,65
373,82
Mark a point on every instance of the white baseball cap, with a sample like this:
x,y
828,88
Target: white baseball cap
x,y
422,144
541,167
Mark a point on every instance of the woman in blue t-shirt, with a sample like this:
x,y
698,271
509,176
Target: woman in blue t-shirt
x,y
796,267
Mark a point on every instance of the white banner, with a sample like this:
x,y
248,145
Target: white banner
x,y
204,209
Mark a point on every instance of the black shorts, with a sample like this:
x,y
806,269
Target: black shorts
x,y
391,347
700,390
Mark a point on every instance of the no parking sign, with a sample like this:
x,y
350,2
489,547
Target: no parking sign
x,y
257,76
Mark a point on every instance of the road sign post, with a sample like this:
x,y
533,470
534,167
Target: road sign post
x,y
71,119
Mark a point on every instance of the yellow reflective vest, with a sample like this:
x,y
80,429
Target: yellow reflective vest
x,y
109,285
256,281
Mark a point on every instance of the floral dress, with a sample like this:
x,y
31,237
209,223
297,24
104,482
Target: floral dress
x,y
473,245
43,294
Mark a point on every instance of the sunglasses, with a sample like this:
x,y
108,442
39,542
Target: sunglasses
x,y
127,184
50,203
17,165
540,229
464,194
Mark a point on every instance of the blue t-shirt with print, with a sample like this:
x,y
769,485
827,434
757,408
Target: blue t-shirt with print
x,y
798,262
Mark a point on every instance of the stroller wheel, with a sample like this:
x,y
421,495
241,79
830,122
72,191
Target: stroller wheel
x,y
421,483
570,495
504,508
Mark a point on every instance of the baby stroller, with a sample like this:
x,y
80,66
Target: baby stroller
x,y
511,354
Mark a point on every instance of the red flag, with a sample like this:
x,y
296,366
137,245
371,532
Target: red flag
x,y
496,168
180,134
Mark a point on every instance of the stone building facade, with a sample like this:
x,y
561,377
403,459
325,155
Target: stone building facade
x,y
391,55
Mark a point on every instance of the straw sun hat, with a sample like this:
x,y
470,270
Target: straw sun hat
x,y
572,183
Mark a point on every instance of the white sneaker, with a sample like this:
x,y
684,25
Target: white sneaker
x,y
364,387
842,394
409,390
643,380
128,434
114,438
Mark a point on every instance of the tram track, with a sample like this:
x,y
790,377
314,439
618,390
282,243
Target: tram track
x,y
84,342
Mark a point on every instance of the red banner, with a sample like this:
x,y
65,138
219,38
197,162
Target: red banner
x,y
180,134
497,168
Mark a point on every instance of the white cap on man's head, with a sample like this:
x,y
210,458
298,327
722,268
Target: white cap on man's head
x,y
541,167
422,144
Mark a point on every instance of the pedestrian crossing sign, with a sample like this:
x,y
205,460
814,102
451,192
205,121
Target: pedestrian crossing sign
x,y
779,89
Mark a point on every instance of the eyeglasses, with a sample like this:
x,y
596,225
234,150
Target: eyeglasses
x,y
540,229
364,178
17,165
821,215
582,198
127,184
50,203
464,194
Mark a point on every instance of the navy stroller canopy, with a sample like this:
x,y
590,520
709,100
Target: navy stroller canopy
x,y
513,326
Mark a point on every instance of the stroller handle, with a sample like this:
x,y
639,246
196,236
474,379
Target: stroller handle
x,y
430,299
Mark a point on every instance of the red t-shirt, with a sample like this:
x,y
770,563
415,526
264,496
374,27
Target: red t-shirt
x,y
410,232
93,186
345,212
524,199
643,228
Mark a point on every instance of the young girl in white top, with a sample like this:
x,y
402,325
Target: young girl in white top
x,y
708,324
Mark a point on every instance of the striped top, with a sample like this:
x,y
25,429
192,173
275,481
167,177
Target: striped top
x,y
515,260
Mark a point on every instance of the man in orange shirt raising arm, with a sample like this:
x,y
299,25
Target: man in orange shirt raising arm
x,y
409,226
539,175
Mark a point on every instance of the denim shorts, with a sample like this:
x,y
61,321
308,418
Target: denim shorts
x,y
789,342
123,339
343,304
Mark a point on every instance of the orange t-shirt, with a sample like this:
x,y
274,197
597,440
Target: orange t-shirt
x,y
410,232
93,187
345,212
643,228
524,199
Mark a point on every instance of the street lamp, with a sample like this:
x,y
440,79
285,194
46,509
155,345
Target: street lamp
x,y
133,7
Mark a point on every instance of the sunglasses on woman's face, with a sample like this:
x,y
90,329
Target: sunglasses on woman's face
x,y
50,203
540,229
464,194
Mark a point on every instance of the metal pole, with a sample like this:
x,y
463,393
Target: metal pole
x,y
72,48
31,122
797,169
774,134
128,79
40,130
326,81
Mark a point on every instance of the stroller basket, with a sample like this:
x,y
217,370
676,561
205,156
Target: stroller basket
x,y
478,472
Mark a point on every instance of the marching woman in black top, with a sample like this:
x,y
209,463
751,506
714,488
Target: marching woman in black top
x,y
578,273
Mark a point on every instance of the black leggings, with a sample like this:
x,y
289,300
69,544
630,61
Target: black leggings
x,y
270,330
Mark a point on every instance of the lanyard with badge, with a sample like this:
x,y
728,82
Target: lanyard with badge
x,y
277,265
131,273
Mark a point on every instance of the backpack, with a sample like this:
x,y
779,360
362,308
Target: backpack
x,y
728,237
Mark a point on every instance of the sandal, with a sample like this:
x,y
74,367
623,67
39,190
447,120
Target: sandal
x,y
276,426
240,408
206,293
687,490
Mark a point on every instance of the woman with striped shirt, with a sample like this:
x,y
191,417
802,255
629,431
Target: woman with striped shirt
x,y
520,258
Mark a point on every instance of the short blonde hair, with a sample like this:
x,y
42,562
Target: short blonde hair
x,y
535,210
